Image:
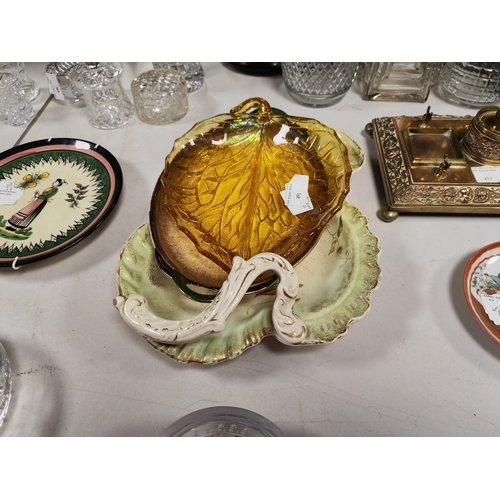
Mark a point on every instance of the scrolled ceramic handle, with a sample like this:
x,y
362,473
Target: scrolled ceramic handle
x,y
289,329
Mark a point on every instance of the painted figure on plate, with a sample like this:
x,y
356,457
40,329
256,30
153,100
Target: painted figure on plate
x,y
17,227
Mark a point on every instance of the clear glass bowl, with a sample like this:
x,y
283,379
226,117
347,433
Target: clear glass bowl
x,y
223,421
160,96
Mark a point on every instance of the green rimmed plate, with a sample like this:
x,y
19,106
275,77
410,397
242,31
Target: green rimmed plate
x,y
337,279
53,194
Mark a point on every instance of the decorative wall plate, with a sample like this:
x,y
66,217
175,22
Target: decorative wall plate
x,y
481,284
336,281
53,193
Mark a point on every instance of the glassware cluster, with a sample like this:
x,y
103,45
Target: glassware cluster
x,y
159,98
324,84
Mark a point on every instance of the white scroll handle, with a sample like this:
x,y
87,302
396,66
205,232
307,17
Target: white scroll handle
x,y
289,329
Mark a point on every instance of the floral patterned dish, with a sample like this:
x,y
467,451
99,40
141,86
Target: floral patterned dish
x,y
481,285
53,193
336,281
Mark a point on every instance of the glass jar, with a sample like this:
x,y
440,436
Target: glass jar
x,y
396,81
160,96
318,84
471,84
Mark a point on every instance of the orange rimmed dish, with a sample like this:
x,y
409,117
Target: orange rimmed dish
x,y
481,285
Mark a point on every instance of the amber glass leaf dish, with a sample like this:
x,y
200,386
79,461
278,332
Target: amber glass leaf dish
x,y
219,195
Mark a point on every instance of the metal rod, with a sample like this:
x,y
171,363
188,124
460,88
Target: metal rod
x,y
27,129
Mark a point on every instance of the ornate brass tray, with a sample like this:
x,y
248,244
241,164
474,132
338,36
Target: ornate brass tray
x,y
424,168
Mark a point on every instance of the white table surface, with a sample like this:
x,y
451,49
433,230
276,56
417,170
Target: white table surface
x,y
417,365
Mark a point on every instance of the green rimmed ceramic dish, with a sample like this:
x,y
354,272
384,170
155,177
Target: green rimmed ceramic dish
x,y
336,279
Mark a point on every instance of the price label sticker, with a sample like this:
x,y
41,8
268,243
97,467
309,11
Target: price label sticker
x,y
486,174
54,87
296,195
8,193
491,304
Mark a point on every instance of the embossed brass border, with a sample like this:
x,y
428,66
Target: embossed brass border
x,y
418,186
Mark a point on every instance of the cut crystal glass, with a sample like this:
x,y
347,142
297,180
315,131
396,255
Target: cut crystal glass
x,y
318,84
5,384
396,81
470,84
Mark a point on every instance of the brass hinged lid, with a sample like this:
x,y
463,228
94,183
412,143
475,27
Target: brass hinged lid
x,y
488,121
482,141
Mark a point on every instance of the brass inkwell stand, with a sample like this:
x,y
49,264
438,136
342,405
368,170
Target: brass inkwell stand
x,y
432,163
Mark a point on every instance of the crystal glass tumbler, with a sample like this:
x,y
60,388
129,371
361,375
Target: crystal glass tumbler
x,y
107,105
192,72
396,81
5,384
60,84
160,96
470,84
318,84
14,108
28,87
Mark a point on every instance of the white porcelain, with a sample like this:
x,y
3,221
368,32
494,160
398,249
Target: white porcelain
x,y
289,329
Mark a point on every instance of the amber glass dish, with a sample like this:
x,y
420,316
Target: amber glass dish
x,y
219,193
